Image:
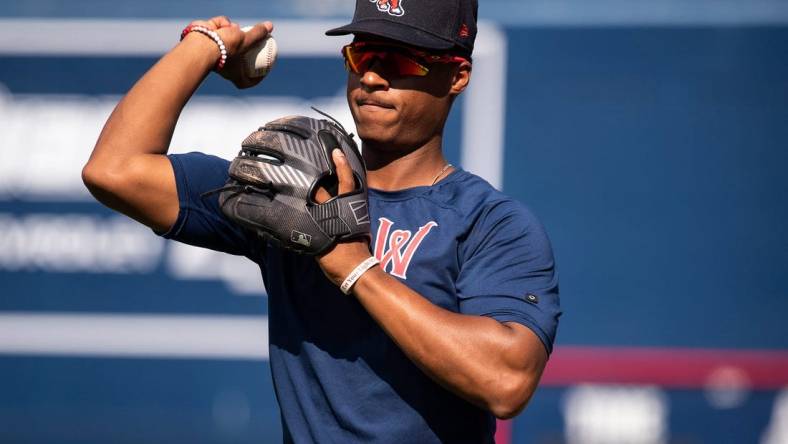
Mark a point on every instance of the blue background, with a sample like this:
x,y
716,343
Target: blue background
x,y
653,154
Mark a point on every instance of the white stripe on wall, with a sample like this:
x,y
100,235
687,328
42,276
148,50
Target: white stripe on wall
x,y
126,36
483,109
135,336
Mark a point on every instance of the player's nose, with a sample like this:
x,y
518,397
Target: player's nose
x,y
374,77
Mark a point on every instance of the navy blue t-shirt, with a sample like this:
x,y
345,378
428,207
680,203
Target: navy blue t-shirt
x,y
338,377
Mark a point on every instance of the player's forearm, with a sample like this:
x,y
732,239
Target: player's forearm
x,y
144,120
476,357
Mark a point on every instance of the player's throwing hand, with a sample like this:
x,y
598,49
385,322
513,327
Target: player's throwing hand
x,y
236,42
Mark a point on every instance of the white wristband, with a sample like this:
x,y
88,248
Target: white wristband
x,y
354,275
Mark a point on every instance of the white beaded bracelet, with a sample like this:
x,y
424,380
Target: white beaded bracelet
x,y
213,35
354,275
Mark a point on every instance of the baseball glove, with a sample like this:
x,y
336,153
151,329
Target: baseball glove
x,y
274,179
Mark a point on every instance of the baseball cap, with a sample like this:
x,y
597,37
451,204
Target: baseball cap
x,y
429,24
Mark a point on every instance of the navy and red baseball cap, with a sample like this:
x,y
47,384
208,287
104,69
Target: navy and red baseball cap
x,y
447,25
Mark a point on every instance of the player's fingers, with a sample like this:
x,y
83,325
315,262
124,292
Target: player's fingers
x,y
204,23
258,32
322,195
344,173
221,21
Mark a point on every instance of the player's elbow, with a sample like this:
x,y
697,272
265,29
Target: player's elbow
x,y
95,177
512,395
103,180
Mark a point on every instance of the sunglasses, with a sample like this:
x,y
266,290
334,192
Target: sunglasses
x,y
395,59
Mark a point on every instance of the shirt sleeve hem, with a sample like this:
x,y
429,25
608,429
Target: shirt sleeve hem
x,y
527,322
183,198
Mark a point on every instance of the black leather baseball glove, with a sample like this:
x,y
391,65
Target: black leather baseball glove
x,y
274,179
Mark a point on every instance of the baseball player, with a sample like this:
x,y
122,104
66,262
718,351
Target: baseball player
x,y
453,327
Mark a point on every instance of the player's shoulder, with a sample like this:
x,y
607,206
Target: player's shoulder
x,y
494,220
476,198
197,171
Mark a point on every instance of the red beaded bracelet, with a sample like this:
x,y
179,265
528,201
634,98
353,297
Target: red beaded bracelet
x,y
213,35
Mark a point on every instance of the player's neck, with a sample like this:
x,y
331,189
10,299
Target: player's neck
x,y
392,171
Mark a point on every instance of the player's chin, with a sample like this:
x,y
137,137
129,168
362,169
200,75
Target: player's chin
x,y
376,123
373,134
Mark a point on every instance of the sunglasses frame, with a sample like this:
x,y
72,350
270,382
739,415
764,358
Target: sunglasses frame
x,y
418,57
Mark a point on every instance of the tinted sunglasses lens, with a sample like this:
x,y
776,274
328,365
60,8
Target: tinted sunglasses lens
x,y
407,66
355,60
358,60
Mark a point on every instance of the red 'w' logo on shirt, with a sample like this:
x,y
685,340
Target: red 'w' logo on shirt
x,y
396,248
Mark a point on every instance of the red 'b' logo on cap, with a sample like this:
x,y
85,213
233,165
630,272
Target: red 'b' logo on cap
x,y
393,7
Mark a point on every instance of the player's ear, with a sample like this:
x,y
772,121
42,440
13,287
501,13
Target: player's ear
x,y
461,78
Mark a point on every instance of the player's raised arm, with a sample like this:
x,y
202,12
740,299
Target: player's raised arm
x,y
128,170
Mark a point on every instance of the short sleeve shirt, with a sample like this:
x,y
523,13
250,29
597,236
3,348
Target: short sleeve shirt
x,y
338,377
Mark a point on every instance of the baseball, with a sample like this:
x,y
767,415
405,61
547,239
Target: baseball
x,y
259,59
